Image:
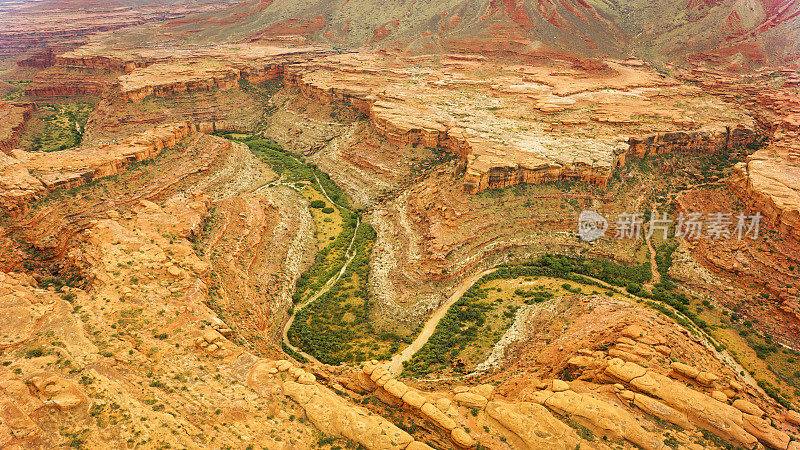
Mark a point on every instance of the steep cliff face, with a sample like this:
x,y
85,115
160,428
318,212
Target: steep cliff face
x,y
167,80
770,182
56,83
496,158
535,123
170,72
41,60
13,117
26,176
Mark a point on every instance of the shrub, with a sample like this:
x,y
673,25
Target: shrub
x,y
34,352
317,204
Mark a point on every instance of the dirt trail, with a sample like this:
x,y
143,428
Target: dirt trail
x,y
396,364
654,273
350,255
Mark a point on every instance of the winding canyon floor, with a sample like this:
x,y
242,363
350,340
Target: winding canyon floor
x,y
363,251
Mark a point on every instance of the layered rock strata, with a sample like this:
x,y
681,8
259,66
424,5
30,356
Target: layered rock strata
x,y
501,150
174,71
27,176
768,181
528,124
13,117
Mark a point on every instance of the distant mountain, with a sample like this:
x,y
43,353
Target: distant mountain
x,y
731,32
28,26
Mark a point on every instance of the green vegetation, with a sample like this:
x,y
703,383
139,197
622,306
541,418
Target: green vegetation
x,y
584,432
337,327
16,94
63,127
457,329
263,92
464,322
288,166
289,351
332,257
466,319
759,354
58,283
328,262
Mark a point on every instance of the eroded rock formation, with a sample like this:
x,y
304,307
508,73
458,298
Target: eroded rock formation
x,y
27,176
13,117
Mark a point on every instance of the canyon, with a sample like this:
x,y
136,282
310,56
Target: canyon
x,y
274,224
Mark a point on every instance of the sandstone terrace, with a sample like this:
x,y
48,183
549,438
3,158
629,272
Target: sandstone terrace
x,y
29,176
520,123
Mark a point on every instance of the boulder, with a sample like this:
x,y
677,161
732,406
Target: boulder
x,y
633,331
211,335
484,390
560,385
470,400
661,410
720,418
625,371
663,349
610,419
769,436
793,417
707,378
462,438
627,395
580,361
443,404
397,389
438,417
685,369
63,393
719,396
335,416
532,426
413,398
748,407
306,378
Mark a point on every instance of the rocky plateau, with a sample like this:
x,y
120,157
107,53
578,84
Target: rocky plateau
x,y
200,202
